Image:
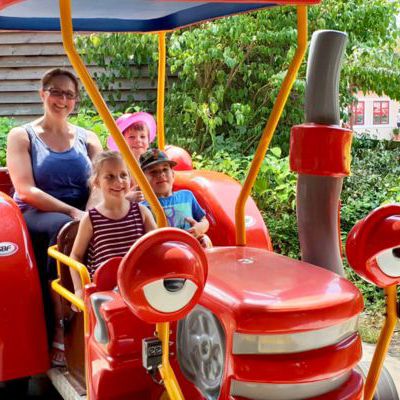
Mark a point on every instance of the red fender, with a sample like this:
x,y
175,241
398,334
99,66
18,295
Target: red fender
x,y
23,349
180,156
371,246
167,253
217,194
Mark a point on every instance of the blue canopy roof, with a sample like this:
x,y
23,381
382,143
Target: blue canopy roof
x,y
117,15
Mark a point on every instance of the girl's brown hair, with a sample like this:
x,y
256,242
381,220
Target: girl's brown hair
x,y
99,160
55,72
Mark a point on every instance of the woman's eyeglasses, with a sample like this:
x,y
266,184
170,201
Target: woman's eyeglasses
x,y
61,94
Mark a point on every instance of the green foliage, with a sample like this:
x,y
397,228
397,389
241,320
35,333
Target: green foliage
x,y
375,179
5,126
230,70
274,192
372,62
229,75
119,57
92,121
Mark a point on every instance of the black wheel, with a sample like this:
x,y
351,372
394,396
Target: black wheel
x,y
386,389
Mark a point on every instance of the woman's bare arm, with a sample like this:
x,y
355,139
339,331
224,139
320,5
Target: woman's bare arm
x,y
94,147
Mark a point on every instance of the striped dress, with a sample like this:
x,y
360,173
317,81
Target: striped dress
x,y
113,237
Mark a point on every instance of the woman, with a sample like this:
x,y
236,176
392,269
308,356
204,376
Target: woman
x,y
49,162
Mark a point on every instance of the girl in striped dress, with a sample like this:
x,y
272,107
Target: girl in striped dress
x,y
113,226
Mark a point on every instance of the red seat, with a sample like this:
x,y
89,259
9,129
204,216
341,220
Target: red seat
x,y
105,277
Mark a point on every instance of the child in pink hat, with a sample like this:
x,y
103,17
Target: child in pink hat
x,y
139,130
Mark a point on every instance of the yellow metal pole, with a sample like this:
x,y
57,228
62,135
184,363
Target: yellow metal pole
x,y
383,343
99,103
63,292
162,62
166,371
75,265
271,125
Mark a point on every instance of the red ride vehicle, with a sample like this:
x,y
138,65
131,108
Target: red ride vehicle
x,y
236,321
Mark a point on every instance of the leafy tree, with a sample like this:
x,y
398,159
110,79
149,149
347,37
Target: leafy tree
x,y
121,57
372,59
230,70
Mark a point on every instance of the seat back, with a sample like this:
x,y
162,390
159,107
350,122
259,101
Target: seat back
x,y
105,277
73,322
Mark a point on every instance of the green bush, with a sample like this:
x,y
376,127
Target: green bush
x,y
5,126
274,192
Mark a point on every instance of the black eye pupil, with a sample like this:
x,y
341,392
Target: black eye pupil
x,y
396,252
174,285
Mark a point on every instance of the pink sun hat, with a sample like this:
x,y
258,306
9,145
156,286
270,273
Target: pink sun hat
x,y
127,120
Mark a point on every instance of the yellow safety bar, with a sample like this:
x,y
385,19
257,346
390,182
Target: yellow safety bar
x,y
76,266
65,293
271,125
99,103
166,371
162,61
383,343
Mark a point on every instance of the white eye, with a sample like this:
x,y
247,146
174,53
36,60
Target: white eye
x,y
389,262
169,295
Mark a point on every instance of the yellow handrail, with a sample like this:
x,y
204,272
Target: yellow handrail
x,y
166,371
68,295
75,265
383,343
271,125
162,61
99,103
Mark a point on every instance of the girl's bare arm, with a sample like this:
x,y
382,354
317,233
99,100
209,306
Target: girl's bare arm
x,y
148,219
81,243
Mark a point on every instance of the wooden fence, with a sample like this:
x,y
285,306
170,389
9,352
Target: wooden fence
x,y
25,56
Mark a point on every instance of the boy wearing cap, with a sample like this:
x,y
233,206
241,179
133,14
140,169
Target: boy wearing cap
x,y
181,207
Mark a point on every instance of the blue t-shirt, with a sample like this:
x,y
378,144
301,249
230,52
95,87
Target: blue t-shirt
x,y
178,206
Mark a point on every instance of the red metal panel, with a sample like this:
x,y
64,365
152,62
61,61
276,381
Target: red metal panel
x,y
378,231
115,370
23,344
310,366
217,194
5,182
351,390
270,293
320,150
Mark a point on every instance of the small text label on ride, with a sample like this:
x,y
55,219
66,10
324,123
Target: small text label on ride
x,y
7,249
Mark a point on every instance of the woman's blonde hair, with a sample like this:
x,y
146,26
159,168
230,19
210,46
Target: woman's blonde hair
x,y
99,160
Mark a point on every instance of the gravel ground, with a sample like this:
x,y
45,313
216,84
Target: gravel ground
x,y
370,328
